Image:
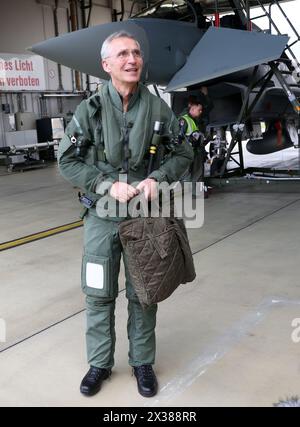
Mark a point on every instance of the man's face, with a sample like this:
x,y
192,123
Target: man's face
x,y
196,110
125,62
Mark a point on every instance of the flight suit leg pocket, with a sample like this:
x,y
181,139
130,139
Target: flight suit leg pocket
x,y
96,276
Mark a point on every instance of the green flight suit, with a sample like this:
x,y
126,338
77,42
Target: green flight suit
x,y
94,119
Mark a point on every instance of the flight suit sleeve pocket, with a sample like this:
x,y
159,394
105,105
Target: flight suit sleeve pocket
x,y
96,276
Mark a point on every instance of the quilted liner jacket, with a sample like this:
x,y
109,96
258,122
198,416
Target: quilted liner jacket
x,y
158,255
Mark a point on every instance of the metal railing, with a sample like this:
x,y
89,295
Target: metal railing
x,y
272,23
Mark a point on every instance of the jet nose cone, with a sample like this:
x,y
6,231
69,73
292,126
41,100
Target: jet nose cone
x,y
80,50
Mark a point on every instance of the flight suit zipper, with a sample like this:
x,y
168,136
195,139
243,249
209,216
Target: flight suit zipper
x,y
125,145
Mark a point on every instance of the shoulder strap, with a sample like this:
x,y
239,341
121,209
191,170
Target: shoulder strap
x,y
94,109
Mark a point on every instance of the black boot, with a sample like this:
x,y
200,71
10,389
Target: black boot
x,y
92,381
146,380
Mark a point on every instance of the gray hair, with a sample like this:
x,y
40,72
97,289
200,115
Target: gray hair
x,y
109,39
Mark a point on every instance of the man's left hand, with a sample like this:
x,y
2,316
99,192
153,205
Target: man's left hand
x,y
149,187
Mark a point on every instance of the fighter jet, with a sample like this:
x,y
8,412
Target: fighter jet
x,y
187,45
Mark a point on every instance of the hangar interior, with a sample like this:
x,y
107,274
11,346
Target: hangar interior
x,y
230,338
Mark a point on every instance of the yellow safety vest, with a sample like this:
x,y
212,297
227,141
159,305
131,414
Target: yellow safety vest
x,y
192,127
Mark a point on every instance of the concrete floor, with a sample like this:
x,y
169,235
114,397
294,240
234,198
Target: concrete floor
x,y
224,340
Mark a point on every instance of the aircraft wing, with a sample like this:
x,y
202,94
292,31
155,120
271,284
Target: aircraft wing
x,y
223,51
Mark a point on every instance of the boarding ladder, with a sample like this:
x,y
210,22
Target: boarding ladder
x,y
242,8
288,49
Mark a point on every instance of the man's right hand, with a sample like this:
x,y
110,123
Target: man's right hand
x,y
123,192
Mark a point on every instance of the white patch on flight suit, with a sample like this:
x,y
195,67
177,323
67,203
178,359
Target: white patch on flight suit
x,y
94,275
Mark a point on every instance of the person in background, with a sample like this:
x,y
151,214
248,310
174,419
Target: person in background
x,y
191,126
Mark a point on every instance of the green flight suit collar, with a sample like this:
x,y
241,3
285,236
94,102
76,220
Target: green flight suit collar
x,y
116,98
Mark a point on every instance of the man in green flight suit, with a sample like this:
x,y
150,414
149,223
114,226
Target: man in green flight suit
x,y
108,139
